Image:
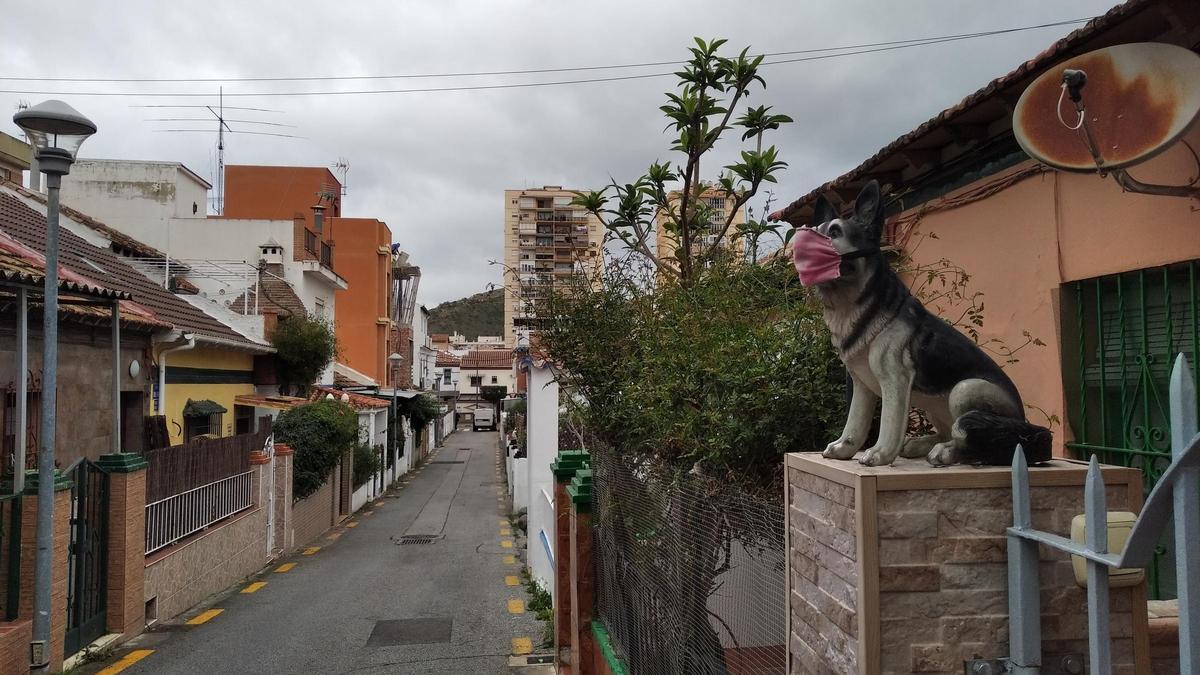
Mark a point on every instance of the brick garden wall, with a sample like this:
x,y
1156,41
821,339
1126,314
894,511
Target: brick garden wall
x,y
318,512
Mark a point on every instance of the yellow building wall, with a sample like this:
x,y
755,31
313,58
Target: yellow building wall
x,y
223,394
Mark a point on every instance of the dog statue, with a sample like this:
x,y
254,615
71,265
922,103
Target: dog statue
x,y
897,351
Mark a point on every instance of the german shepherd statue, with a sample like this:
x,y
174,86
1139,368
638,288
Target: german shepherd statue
x,y
895,350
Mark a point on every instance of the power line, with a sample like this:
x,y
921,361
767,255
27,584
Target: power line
x,y
532,71
209,119
894,45
228,131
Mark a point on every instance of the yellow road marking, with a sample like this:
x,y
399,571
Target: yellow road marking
x,y
351,524
310,550
254,587
126,661
509,580
367,513
516,606
379,503
510,560
505,532
284,567
203,617
507,543
334,536
522,645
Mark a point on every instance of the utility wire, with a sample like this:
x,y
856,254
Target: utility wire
x,y
903,44
327,78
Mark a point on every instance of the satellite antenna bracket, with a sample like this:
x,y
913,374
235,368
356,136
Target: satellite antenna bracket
x,y
1140,86
1073,83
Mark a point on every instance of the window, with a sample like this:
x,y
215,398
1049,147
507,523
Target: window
x,y
8,442
445,376
476,380
243,419
1121,335
200,425
495,380
319,306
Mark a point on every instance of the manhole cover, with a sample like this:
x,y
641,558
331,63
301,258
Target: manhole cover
x,y
393,632
417,539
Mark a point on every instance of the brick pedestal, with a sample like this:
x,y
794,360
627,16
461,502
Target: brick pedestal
x,y
903,569
126,603
564,468
58,577
581,569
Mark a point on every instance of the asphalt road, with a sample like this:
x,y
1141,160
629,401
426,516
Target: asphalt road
x,y
350,607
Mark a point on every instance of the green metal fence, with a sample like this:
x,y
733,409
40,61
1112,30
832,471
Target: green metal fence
x,y
1128,329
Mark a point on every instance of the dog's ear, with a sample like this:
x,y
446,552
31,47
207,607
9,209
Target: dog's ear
x,y
868,208
823,212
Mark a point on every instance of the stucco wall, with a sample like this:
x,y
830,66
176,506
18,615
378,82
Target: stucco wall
x,y
1020,245
222,393
190,572
363,341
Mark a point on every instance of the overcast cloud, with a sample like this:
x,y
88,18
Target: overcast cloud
x,y
434,165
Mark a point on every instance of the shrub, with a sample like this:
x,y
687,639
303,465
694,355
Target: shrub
x,y
319,433
304,347
420,411
366,462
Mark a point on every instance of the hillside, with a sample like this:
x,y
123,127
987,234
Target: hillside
x,y
479,314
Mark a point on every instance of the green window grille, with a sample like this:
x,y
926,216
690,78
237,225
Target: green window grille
x,y
1128,328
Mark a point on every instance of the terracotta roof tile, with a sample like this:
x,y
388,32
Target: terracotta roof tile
x,y
447,360
103,267
488,359
272,295
357,401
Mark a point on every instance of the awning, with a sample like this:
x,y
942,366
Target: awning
x,y
202,408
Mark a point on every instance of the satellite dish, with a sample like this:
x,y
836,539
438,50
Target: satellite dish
x,y
1132,102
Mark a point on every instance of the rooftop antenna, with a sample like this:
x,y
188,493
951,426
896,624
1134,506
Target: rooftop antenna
x,y
342,167
1141,99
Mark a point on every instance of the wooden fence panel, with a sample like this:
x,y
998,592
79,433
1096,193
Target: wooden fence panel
x,y
180,468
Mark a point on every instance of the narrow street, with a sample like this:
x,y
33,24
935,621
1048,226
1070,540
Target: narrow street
x,y
363,603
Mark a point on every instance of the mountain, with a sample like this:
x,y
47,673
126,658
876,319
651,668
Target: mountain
x,y
475,315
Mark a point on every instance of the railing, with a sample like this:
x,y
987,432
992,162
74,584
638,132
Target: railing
x,y
1174,494
310,241
176,517
327,255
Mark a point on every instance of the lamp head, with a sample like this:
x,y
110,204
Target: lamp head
x,y
55,130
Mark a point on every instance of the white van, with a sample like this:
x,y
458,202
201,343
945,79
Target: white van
x,y
484,418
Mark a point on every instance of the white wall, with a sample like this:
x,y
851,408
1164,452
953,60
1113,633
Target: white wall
x,y
542,450
137,198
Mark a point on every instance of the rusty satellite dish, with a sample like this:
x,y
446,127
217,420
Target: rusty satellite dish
x,y
1111,109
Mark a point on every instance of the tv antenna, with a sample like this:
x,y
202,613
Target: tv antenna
x,y
1141,98
217,115
342,168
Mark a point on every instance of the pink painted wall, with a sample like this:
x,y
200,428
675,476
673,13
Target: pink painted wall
x,y
1021,244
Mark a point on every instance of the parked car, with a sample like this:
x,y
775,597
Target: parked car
x,y
485,418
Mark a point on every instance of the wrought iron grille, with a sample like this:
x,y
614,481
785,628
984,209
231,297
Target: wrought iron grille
x,y
1128,329
690,573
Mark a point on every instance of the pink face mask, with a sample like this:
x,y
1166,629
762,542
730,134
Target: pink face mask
x,y
816,260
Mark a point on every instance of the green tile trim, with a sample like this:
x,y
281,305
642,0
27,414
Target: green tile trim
x,y
61,482
122,462
606,648
581,497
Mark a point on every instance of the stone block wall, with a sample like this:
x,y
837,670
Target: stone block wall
x,y
15,637
316,513
903,569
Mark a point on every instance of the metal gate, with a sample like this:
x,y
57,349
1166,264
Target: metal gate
x,y
87,555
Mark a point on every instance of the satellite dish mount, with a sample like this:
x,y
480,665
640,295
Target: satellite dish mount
x,y
1145,98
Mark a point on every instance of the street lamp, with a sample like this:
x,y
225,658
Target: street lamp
x,y
55,130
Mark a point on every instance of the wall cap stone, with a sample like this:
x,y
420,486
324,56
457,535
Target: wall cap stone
x,y
122,462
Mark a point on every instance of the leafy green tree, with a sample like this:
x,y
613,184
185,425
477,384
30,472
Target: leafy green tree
x,y
319,433
711,88
305,346
366,462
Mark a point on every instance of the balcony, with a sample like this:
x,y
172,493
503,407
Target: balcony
x,y
527,228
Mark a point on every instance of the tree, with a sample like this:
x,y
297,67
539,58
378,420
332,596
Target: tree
x,y
319,433
711,87
304,346
493,393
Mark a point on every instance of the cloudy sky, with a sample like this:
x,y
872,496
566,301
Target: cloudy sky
x,y
433,165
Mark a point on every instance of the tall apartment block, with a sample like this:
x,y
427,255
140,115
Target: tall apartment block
x,y
546,242
718,210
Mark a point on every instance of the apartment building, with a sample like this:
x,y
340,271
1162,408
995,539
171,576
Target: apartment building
x,y
717,206
546,242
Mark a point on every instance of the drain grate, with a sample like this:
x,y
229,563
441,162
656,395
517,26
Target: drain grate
x,y
417,539
486,483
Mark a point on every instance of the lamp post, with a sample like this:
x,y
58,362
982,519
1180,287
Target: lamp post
x,y
55,130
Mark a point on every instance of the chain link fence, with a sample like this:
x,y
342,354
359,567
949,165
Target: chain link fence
x,y
690,572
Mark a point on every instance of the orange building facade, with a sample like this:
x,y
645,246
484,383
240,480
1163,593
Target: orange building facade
x,y
363,253
361,313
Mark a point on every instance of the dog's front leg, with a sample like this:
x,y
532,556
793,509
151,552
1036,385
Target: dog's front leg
x,y
858,422
896,388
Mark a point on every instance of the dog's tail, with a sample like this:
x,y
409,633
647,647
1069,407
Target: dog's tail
x,y
992,439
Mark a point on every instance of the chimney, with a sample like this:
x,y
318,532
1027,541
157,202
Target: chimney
x,y
318,218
